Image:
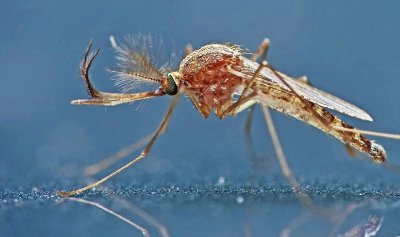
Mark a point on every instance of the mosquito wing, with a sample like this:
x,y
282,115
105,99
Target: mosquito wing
x,y
326,100
312,94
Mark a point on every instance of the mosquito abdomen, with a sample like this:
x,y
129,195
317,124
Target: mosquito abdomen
x,y
354,139
288,103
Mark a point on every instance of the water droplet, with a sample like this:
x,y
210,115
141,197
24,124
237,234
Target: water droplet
x,y
221,180
240,199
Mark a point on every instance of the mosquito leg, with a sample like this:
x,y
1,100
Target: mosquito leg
x,y
240,105
259,163
98,167
378,134
352,152
188,50
144,231
287,172
262,50
162,229
303,197
249,122
235,108
294,224
247,102
124,152
160,130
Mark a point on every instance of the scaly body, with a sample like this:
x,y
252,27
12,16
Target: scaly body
x,y
220,78
214,73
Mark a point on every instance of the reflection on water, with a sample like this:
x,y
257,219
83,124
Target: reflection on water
x,y
369,228
197,211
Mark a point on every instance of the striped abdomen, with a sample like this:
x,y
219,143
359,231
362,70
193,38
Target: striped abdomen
x,y
275,97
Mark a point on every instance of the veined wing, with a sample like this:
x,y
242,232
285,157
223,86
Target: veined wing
x,y
311,93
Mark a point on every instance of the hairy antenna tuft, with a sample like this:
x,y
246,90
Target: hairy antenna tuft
x,y
136,64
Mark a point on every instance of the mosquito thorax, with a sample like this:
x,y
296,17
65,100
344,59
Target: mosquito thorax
x,y
172,87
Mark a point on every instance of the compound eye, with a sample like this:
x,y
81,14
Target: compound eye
x,y
172,88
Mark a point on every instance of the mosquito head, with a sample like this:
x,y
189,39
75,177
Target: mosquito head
x,y
171,83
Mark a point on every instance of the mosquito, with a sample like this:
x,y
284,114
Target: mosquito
x,y
220,78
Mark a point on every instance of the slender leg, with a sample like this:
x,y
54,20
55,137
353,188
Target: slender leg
x,y
203,109
372,133
262,50
259,162
350,150
124,152
100,166
231,110
240,105
162,229
144,231
234,108
304,198
249,122
294,224
188,50
287,172
160,130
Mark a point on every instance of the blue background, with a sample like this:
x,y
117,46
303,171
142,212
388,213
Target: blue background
x,y
349,49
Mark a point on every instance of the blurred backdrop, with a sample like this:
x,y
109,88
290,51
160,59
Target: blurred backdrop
x,y
349,49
